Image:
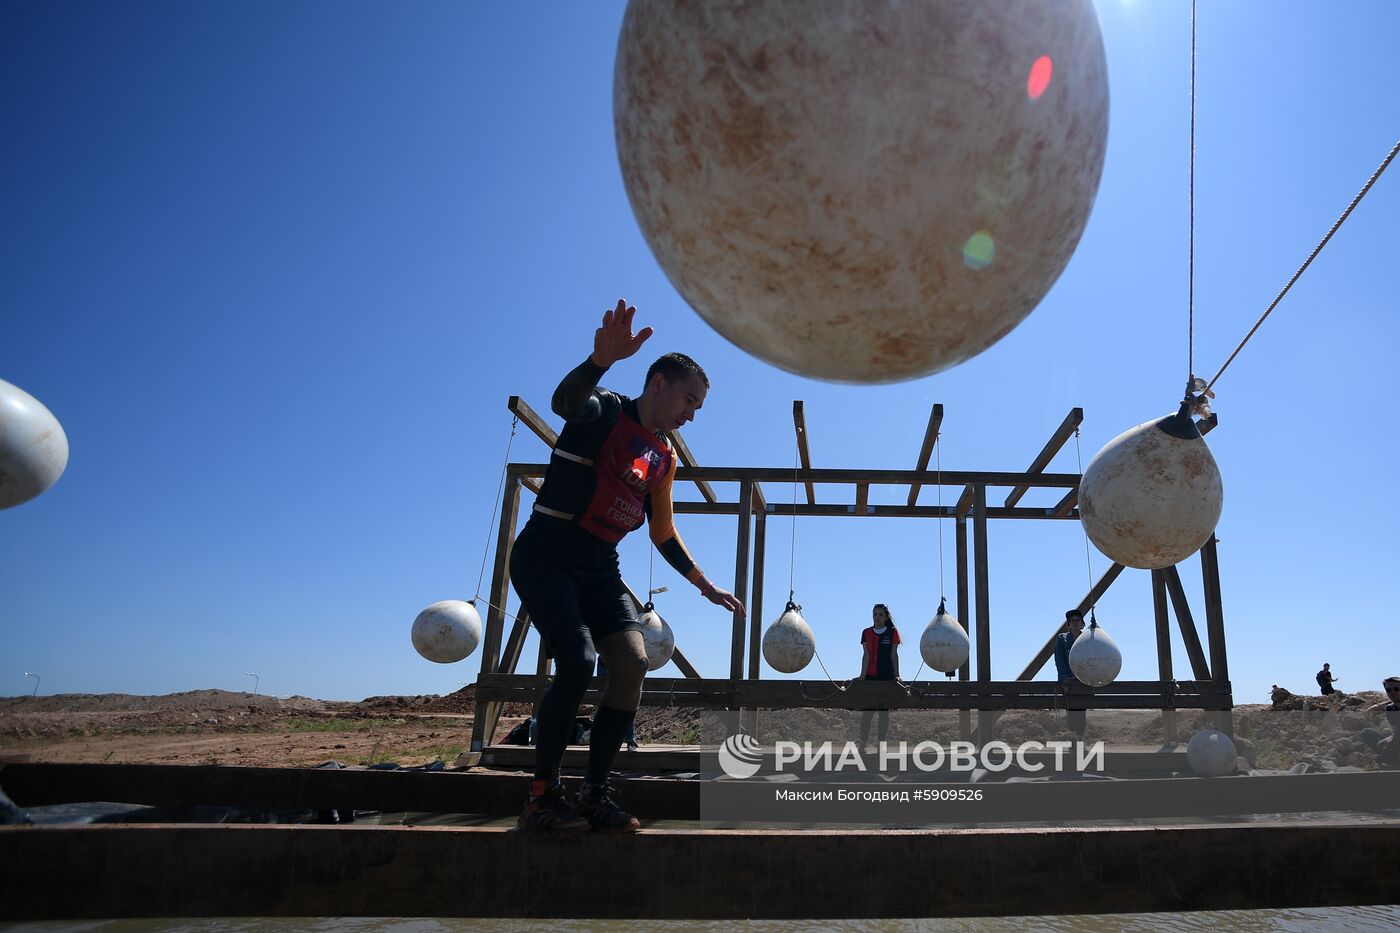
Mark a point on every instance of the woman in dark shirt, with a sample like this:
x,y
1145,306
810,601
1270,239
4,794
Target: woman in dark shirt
x,y
880,661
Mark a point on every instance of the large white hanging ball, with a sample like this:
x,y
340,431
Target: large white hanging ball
x,y
658,638
447,631
1094,657
944,644
789,644
1210,753
33,447
861,192
1153,495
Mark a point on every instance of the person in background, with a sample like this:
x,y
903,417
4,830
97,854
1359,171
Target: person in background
x,y
879,661
1077,719
1325,680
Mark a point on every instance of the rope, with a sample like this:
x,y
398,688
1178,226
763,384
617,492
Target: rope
x,y
792,546
1191,202
1317,249
486,551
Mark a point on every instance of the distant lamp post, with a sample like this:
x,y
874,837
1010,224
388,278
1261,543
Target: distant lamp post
x,y
36,682
255,681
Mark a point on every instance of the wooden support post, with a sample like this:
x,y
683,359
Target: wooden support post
x,y
484,722
985,722
1067,504
862,497
799,424
741,577
1164,651
1200,668
960,526
1090,598
760,549
935,420
1215,628
760,540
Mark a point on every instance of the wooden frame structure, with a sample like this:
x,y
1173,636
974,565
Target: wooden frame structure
x,y
745,689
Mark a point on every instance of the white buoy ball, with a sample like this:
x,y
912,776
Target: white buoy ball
x,y
1153,495
944,644
660,641
788,645
1094,657
447,631
1210,753
861,192
33,447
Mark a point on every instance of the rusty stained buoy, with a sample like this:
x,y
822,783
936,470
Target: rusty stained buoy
x,y
33,447
861,192
1094,657
657,637
944,645
1153,495
447,631
789,644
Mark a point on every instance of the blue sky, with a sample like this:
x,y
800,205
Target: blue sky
x,y
277,267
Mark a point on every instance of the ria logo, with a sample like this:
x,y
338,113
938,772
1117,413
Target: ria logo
x,y
740,756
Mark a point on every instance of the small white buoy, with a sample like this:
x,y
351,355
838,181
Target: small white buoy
x,y
861,192
1210,753
1153,495
1094,657
788,645
33,447
447,631
944,644
660,641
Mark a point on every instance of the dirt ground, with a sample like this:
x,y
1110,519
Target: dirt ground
x,y
221,727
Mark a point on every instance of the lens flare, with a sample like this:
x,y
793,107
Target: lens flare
x,y
1039,78
979,250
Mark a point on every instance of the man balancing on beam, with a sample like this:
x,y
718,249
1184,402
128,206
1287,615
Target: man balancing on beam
x,y
611,466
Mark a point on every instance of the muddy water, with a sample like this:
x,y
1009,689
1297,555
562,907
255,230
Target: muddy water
x,y
1217,921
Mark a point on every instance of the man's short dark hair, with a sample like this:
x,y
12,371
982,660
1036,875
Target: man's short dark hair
x,y
1072,614
677,366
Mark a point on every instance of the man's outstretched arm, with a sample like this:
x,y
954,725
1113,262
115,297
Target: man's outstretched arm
x,y
661,526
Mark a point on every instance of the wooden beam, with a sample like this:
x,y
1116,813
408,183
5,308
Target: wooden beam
x,y
1164,649
1215,616
484,722
688,459
1066,505
724,693
799,424
887,511
935,422
964,503
510,658
1084,605
862,497
983,589
532,420
1047,453
532,483
1199,666
850,476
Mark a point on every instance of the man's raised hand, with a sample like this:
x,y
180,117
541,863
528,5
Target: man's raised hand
x,y
614,340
